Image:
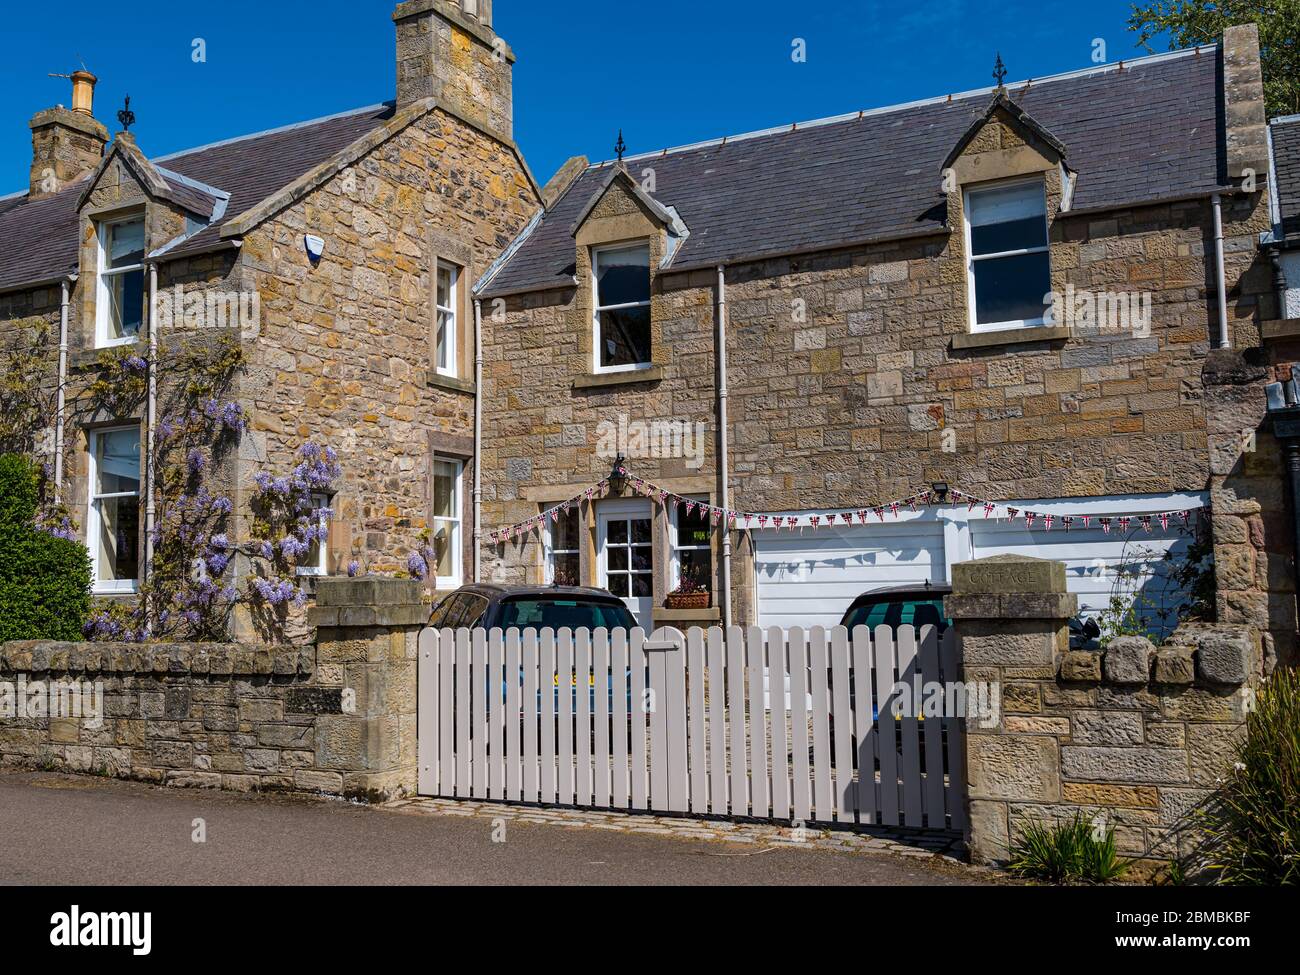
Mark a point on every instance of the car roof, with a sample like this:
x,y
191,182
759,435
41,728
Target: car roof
x,y
933,590
498,592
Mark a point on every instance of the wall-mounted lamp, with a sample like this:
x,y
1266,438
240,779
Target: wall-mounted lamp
x,y
940,489
617,476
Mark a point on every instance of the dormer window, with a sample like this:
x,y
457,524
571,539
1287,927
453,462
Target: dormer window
x,y
119,299
1009,271
622,320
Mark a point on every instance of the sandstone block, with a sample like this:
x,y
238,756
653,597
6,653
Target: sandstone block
x,y
1127,660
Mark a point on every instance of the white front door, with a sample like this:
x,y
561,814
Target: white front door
x,y
627,555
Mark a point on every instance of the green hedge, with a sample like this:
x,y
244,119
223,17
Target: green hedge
x,y
44,581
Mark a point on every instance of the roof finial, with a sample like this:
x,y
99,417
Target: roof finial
x,y
126,116
1000,70
620,146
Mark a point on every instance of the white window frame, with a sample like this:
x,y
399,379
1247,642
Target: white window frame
x,y
454,520
975,326
552,550
93,518
598,307
321,568
103,300
453,318
674,546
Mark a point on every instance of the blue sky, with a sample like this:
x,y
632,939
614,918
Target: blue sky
x,y
690,70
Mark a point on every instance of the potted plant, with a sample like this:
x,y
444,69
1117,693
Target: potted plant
x,y
689,594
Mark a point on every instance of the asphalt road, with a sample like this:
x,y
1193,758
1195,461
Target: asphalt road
x,y
76,830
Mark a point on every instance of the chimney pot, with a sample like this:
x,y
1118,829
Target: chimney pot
x,y
83,92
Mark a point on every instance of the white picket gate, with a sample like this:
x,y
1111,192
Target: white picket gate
x,y
693,723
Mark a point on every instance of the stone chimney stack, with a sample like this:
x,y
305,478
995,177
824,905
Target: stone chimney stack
x,y
67,144
448,51
1245,120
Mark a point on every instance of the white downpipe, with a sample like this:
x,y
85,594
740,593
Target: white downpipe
x,y
59,395
1221,276
478,438
151,414
723,460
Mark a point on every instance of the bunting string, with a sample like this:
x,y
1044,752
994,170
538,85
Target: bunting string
x,y
1147,522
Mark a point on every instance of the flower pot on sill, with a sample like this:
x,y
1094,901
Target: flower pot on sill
x,y
686,600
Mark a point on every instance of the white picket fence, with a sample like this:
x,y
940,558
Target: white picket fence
x,y
693,723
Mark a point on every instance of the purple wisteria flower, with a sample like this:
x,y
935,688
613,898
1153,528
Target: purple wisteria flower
x,y
416,565
354,568
222,505
195,460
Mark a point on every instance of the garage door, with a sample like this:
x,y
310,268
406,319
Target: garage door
x,y
1097,564
810,576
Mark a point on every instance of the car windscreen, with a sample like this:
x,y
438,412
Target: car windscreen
x,y
909,612
541,613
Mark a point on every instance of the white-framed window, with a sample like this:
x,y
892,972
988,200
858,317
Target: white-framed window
x,y
119,287
1009,270
315,562
621,283
692,545
562,558
448,283
113,522
446,521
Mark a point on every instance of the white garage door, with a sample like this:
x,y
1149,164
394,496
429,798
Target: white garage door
x,y
810,576
1097,565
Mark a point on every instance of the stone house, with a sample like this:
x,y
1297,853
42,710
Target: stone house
x,y
862,305
336,254
1018,295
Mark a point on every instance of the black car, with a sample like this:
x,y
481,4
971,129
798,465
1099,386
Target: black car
x,y
490,606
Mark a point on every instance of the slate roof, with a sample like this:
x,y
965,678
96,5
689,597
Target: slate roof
x,y
1140,133
38,238
1286,166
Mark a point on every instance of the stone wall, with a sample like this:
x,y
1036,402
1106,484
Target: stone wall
x,y
1133,738
338,719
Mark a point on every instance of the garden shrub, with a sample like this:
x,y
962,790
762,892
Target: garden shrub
x,y
44,578
1253,820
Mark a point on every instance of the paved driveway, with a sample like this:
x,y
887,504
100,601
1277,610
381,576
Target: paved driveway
x,y
62,829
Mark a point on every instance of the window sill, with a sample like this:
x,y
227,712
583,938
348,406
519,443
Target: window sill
x,y
450,383
1280,328
663,615
597,380
1011,336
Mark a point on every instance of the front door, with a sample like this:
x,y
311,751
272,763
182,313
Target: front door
x,y
627,556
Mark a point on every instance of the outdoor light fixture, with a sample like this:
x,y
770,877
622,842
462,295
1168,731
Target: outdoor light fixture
x,y
617,477
940,489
